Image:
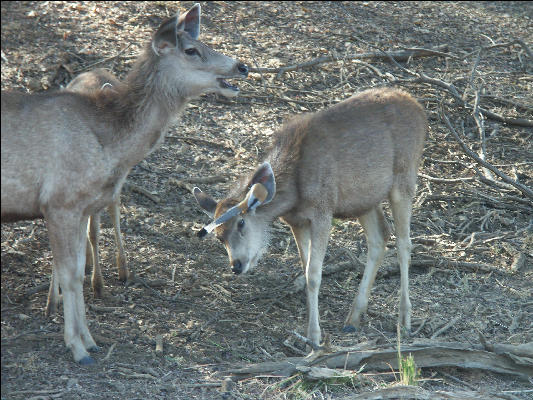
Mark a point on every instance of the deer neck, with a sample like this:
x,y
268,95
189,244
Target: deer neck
x,y
286,198
146,105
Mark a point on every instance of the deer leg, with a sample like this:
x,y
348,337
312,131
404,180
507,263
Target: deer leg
x,y
302,236
67,232
121,261
377,233
52,302
319,235
89,254
97,281
401,206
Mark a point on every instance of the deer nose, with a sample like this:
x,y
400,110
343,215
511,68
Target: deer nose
x,y
243,69
236,267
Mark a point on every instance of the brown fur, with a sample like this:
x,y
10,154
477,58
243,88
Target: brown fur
x,y
339,162
65,155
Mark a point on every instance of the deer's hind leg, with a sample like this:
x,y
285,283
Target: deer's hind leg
x,y
377,233
54,298
121,261
401,206
93,235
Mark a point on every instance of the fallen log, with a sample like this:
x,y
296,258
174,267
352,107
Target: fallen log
x,y
503,359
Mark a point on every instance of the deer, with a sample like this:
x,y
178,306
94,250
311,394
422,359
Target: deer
x,y
65,154
97,79
340,162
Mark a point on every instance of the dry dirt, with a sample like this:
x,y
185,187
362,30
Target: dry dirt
x,y
211,320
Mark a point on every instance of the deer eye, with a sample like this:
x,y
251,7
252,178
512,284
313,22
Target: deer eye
x,y
192,52
240,224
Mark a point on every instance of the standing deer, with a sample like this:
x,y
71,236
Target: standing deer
x,y
337,163
98,79
65,155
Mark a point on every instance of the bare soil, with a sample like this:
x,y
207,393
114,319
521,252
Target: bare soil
x,y
211,320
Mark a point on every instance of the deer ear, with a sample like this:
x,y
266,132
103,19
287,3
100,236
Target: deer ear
x,y
205,201
265,176
190,21
165,37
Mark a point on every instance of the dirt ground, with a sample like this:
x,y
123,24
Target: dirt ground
x,y
211,320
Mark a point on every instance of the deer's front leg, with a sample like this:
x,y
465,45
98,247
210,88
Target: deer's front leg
x,y
67,231
319,235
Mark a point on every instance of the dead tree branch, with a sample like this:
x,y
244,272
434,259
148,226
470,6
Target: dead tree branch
x,y
522,188
418,393
426,355
402,55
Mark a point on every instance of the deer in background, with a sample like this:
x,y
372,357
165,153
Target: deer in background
x,y
340,162
65,155
98,79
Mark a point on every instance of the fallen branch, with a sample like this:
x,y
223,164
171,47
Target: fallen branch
x,y
423,78
426,355
402,55
418,393
34,290
524,189
450,88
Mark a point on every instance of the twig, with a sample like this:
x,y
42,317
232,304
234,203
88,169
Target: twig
x,y
109,352
46,391
472,73
159,344
103,60
307,341
205,384
198,140
506,101
294,349
445,180
506,44
445,327
481,129
206,179
419,328
137,189
524,189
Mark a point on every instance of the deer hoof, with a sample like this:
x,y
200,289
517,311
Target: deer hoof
x,y
86,361
94,349
349,329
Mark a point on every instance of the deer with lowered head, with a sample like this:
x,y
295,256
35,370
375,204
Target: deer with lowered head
x,y
341,162
65,155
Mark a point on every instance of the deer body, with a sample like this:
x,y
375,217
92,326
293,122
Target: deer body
x,y
65,155
93,81
340,162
